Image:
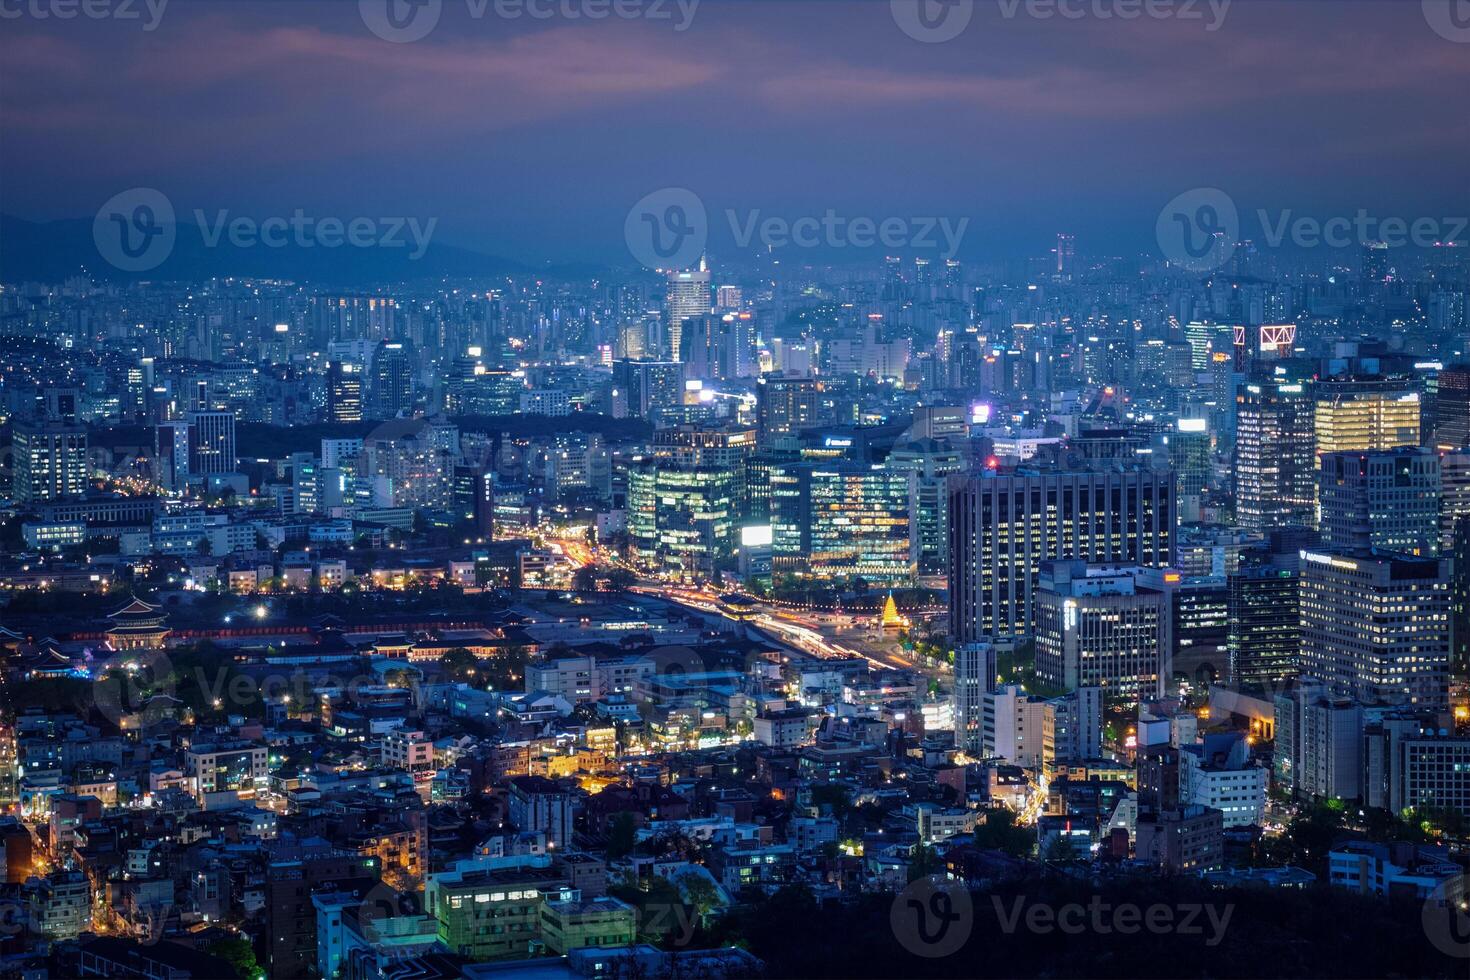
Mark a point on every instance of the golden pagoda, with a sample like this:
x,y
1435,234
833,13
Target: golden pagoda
x,y
892,618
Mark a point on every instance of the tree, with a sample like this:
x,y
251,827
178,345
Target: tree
x,y
584,579
923,862
621,579
459,664
238,952
999,832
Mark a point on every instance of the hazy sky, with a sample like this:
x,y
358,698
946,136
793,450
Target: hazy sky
x,y
531,138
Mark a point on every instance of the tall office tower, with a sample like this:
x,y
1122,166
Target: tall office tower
x,y
1454,541
50,460
211,443
839,520
1275,461
1096,626
1066,254
974,677
483,511
725,447
1355,413
687,298
739,356
1452,408
785,404
704,345
1002,526
344,392
1377,267
171,455
681,519
647,385
1376,626
929,463
1385,499
1191,457
392,385
1264,619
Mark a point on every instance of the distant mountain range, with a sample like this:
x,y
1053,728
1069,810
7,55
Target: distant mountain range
x,y
53,251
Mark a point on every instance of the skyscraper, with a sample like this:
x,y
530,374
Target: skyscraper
x,y
344,392
688,297
392,385
211,443
1275,465
1264,619
1354,413
838,520
785,404
1376,626
1386,499
50,461
1452,408
1004,525
1097,627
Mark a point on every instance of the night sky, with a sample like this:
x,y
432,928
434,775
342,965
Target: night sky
x,y
531,139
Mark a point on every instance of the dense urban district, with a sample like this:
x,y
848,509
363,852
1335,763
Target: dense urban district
x,y
1071,617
